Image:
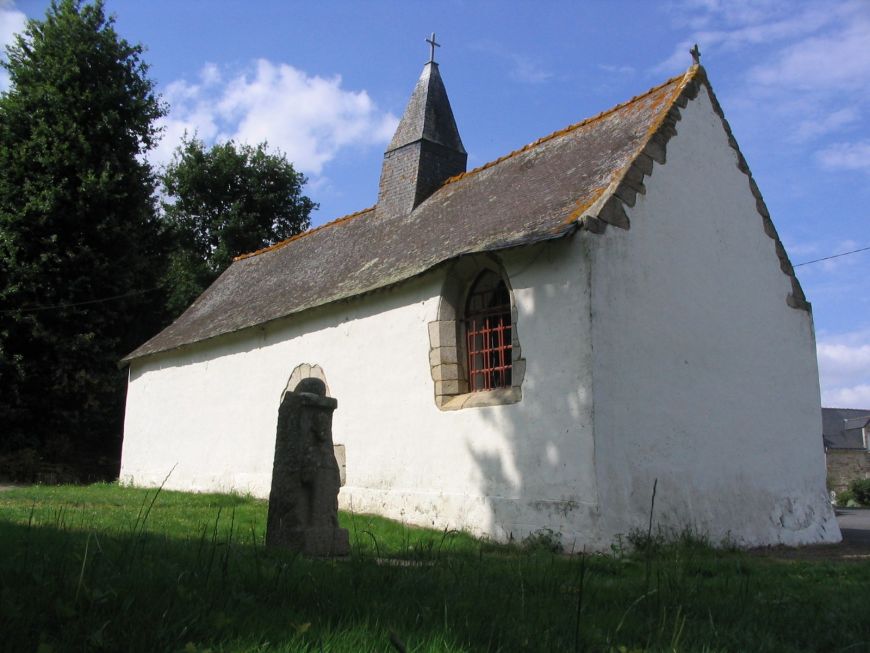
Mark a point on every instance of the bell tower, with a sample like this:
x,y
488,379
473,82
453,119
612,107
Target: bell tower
x,y
426,149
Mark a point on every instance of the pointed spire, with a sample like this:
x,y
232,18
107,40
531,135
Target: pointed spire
x,y
428,114
426,149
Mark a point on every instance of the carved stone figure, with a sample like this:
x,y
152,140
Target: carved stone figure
x,y
303,502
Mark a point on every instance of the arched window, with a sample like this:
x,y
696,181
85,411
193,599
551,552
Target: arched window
x,y
474,350
488,333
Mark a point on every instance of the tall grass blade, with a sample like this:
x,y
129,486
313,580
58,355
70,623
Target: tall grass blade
x,y
82,570
649,543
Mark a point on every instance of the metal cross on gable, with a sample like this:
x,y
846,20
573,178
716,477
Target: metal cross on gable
x,y
432,46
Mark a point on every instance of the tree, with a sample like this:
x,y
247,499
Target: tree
x,y
80,248
222,202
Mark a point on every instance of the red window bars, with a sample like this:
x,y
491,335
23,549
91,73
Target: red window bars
x,y
488,334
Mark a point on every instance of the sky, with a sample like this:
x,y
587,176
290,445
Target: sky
x,y
326,81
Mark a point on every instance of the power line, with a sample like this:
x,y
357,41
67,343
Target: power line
x,y
102,300
827,258
36,309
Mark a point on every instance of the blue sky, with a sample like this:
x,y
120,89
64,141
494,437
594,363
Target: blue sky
x,y
326,82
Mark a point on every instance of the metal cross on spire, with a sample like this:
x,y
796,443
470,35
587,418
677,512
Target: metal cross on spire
x,y
696,55
432,46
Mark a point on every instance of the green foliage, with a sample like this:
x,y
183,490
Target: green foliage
x,y
116,568
83,255
77,224
860,489
544,539
224,201
846,499
660,539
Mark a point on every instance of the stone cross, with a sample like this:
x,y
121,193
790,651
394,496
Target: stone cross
x,y
696,55
303,502
432,46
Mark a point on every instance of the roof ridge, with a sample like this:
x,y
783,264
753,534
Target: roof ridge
x,y
568,129
308,232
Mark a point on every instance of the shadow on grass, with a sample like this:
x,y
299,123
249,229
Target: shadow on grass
x,y
66,589
192,575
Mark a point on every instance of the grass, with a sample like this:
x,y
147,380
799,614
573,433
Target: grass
x,y
112,568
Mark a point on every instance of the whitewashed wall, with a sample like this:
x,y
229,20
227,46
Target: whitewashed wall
x,y
703,377
210,411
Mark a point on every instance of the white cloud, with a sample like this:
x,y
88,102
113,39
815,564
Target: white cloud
x,y
210,74
802,44
846,156
825,124
836,59
528,71
729,12
799,251
310,118
679,59
844,369
829,259
523,68
12,22
855,397
618,70
810,67
741,24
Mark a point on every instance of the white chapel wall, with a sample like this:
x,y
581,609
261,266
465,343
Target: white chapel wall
x,y
208,412
703,377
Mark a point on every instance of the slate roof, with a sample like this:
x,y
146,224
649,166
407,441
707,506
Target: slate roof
x,y
428,114
576,178
843,428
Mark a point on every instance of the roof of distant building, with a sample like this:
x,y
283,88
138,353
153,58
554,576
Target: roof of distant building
x,y
843,428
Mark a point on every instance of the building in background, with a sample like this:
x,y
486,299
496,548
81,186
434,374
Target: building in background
x,y
846,433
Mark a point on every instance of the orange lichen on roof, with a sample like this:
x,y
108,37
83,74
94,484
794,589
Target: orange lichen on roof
x,y
666,101
570,128
669,100
283,243
584,203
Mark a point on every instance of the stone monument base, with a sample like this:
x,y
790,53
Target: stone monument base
x,y
303,502
316,541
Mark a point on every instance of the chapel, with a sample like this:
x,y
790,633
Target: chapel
x,y
532,345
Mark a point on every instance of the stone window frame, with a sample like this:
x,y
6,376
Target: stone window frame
x,y
447,355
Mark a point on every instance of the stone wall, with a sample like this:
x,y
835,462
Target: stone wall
x,y
846,465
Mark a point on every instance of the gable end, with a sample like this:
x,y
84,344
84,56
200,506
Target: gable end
x,y
623,192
